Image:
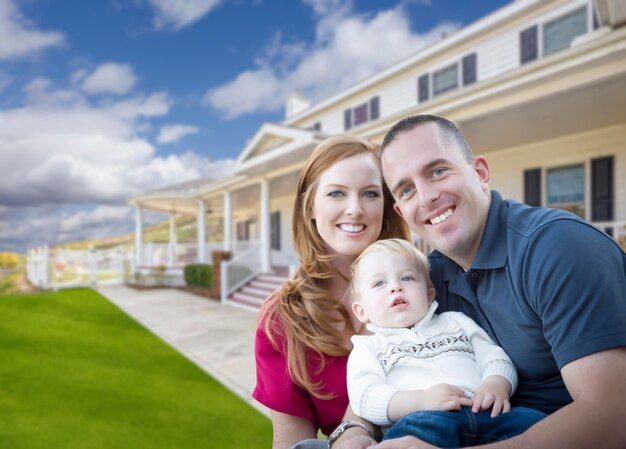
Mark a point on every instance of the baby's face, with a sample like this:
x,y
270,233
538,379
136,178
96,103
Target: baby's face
x,y
392,293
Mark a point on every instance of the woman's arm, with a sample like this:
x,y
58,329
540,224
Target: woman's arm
x,y
289,429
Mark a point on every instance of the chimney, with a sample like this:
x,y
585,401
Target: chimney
x,y
295,103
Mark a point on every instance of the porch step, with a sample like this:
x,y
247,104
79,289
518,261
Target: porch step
x,y
253,293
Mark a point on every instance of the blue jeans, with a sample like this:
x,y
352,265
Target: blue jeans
x,y
464,428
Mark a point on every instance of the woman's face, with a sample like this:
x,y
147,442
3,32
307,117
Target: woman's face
x,y
348,205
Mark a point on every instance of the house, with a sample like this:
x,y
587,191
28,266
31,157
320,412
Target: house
x,y
538,87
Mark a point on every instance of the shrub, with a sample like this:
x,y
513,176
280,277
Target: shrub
x,y
198,275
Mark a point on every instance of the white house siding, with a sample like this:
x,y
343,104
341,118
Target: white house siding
x,y
507,166
498,55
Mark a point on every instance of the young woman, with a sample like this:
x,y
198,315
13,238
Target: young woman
x,y
303,336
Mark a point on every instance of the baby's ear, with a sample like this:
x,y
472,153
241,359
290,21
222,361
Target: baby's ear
x,y
431,294
359,312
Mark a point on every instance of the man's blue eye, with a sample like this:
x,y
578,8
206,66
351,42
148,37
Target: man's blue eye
x,y
405,191
438,172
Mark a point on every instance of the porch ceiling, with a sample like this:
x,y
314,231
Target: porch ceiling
x,y
578,110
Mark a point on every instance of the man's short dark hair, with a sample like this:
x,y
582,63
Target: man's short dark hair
x,y
449,132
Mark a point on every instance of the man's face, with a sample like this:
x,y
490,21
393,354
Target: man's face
x,y
443,198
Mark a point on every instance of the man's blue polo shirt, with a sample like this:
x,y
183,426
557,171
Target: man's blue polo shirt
x,y
546,286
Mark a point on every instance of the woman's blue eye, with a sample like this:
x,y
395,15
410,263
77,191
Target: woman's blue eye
x,y
371,194
335,194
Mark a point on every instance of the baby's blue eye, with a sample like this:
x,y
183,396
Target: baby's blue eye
x,y
408,278
378,284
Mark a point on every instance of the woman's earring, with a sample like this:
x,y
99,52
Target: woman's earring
x,y
386,222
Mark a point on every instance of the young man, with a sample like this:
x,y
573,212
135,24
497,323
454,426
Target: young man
x,y
546,286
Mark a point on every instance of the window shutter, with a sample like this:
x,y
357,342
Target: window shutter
x,y
347,119
275,230
422,88
469,69
602,189
375,108
317,126
532,187
528,45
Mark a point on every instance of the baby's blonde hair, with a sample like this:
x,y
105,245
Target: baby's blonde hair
x,y
417,258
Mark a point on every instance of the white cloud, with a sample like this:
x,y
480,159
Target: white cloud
x,y
348,48
173,133
57,148
107,78
17,37
177,14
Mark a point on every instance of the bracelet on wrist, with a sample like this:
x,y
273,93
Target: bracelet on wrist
x,y
342,427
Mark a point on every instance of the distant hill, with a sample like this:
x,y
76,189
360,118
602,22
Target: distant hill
x,y
158,233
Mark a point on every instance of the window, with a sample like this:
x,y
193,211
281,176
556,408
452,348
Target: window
x,y
445,79
374,108
423,93
469,69
559,33
243,231
275,230
360,114
528,45
566,188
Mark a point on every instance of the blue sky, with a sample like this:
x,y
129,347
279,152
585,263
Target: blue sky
x,y
104,99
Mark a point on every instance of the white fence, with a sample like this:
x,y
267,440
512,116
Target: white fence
x,y
54,268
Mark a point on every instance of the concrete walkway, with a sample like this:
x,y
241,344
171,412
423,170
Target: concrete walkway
x,y
217,338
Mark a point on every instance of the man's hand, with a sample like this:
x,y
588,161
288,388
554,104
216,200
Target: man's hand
x,y
403,443
493,392
444,397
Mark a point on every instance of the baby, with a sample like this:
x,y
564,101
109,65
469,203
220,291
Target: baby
x,y
439,378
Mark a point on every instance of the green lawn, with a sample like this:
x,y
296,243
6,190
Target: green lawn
x,y
75,372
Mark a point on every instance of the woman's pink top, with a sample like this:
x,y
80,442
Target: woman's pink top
x,y
276,390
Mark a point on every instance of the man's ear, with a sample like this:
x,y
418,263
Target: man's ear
x,y
482,169
431,294
358,311
397,209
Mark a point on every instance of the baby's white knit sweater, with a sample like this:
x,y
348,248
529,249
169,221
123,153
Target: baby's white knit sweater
x,y
449,348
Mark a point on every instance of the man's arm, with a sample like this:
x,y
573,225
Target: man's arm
x,y
595,418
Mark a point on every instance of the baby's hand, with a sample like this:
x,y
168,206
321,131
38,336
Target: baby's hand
x,y
445,397
493,392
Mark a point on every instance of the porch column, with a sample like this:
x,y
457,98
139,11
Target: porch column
x,y
138,236
265,225
171,256
201,232
228,221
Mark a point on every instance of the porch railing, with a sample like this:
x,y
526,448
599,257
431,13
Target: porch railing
x,y
240,269
616,229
